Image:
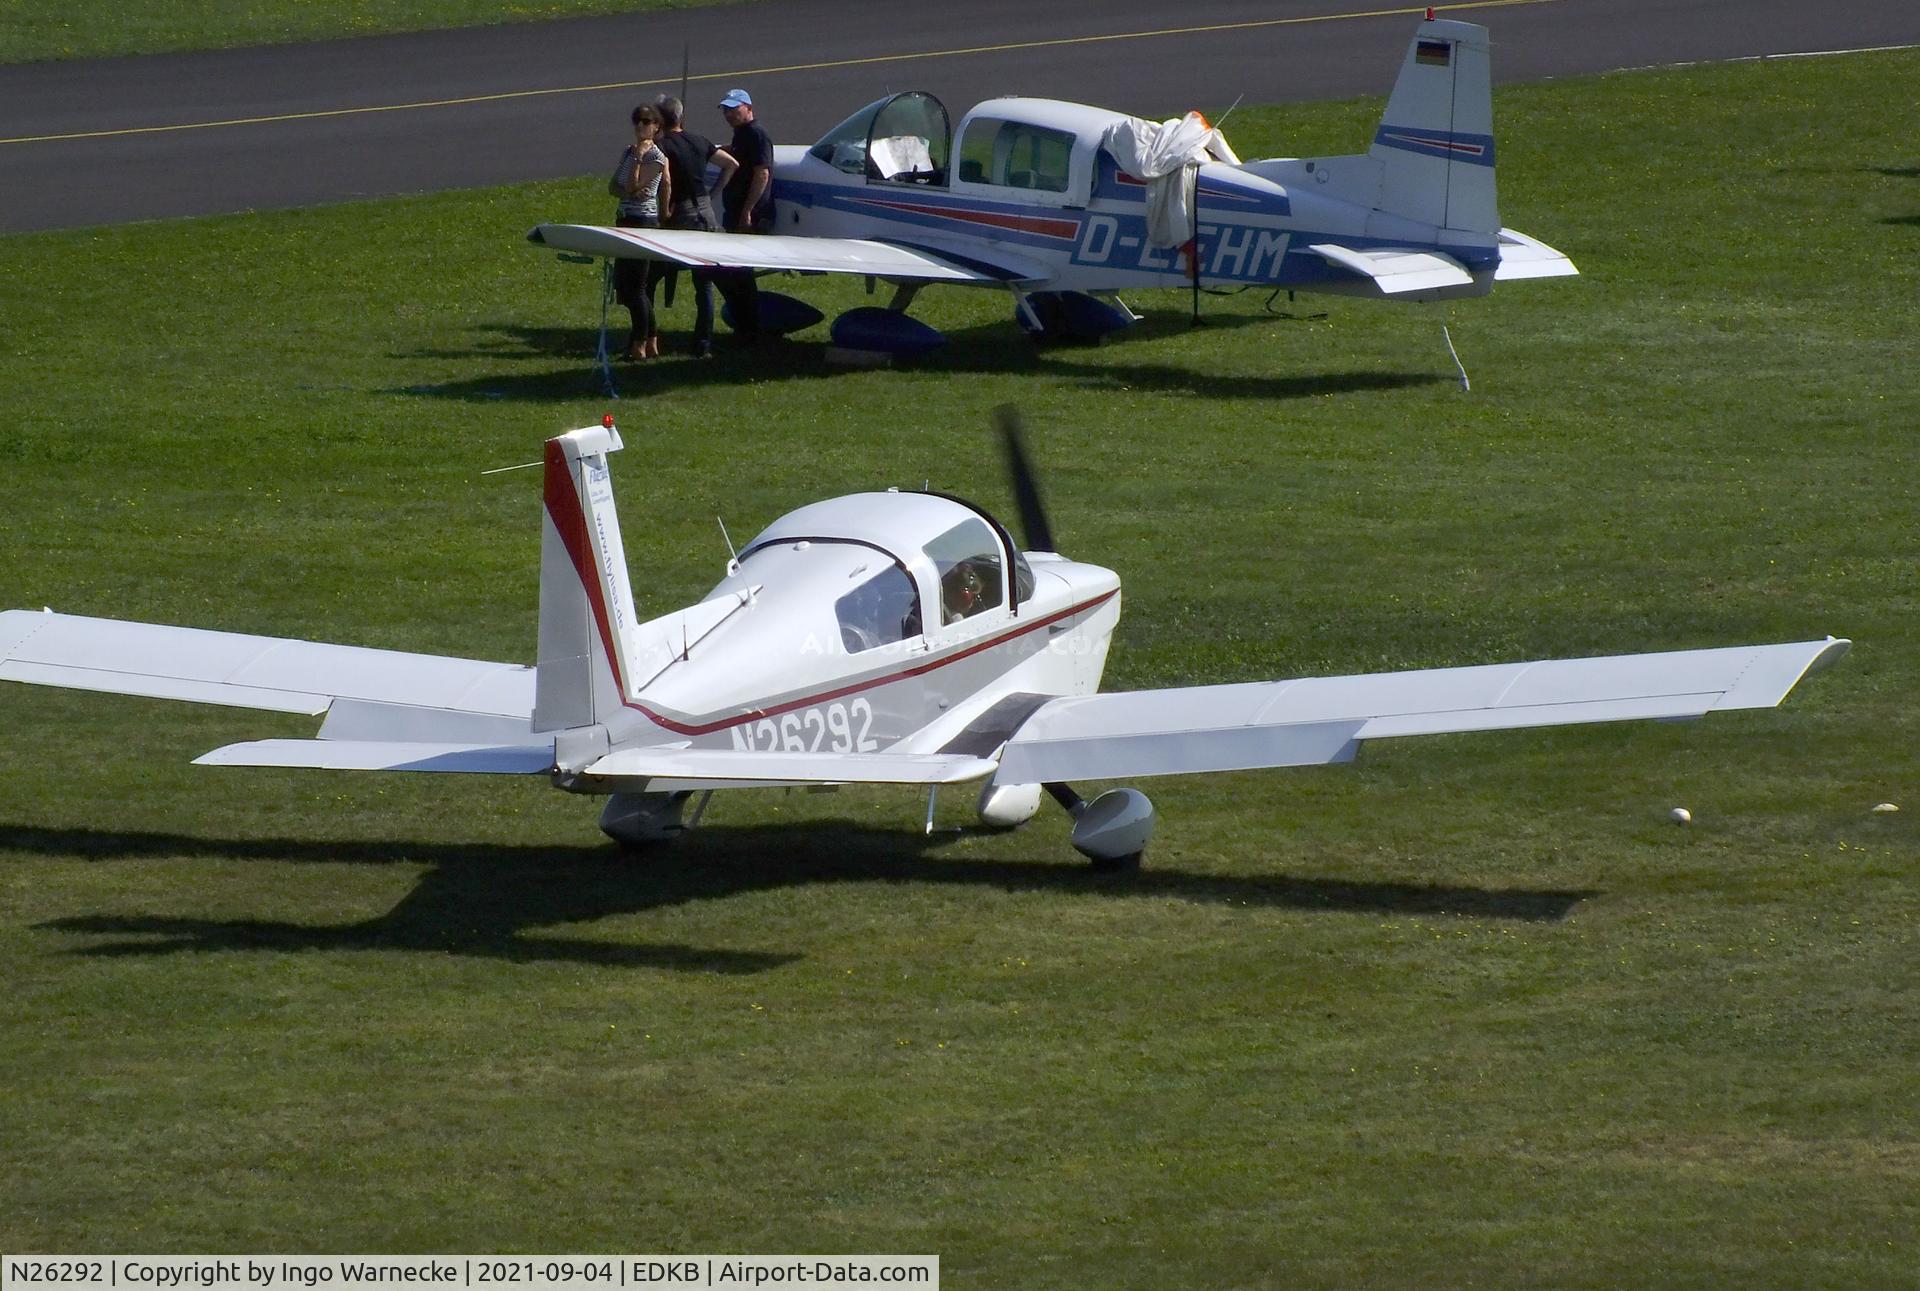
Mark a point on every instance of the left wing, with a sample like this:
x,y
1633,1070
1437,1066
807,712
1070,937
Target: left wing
x,y
1323,719
867,256
274,673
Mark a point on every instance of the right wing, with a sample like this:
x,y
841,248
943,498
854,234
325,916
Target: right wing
x,y
867,256
272,673
1323,719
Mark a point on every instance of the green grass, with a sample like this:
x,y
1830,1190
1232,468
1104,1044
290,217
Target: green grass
x,y
1466,1013
34,30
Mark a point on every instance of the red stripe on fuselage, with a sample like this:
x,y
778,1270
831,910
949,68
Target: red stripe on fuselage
x,y
1067,229
682,728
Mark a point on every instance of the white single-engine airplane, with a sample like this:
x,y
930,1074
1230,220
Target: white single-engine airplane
x,y
879,638
1055,202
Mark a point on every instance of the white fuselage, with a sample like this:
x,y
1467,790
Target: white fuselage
x,y
845,635
1083,227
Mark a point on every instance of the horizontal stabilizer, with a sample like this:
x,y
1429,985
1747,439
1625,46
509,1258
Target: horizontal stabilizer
x,y
1397,272
1525,257
789,768
1320,719
700,250
385,755
276,673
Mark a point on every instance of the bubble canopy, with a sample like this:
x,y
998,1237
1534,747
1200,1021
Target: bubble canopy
x,y
904,138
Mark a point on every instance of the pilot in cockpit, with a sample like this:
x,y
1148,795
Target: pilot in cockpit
x,y
963,592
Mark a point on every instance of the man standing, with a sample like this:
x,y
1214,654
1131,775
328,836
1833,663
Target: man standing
x,y
688,156
749,193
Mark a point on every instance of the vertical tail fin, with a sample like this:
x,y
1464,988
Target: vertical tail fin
x,y
1435,143
586,604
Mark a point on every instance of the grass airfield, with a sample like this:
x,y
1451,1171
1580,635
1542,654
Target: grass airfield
x,y
1468,1012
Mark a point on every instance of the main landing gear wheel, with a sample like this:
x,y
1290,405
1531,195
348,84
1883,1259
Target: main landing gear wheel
x,y
640,821
1112,830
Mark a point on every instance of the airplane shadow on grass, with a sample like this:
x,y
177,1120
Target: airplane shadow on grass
x,y
482,899
988,348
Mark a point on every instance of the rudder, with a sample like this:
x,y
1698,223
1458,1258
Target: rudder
x,y
1435,142
586,602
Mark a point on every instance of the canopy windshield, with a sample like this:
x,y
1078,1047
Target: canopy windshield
x,y
903,138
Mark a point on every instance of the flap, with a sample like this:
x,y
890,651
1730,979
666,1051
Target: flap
x,y
385,755
789,768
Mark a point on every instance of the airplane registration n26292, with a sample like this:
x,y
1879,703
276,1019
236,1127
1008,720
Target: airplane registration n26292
x,y
892,637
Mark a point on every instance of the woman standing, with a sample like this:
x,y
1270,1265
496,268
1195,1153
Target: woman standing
x,y
640,182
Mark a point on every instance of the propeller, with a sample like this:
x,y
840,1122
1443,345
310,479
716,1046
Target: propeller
x,y
1038,534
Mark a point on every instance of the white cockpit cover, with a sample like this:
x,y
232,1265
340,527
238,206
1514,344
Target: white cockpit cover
x,y
1165,154
901,154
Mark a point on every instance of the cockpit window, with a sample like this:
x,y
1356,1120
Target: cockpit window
x,y
880,611
904,138
967,560
845,146
909,141
1013,154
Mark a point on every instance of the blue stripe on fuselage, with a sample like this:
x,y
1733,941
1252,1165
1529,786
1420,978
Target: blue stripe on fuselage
x,y
863,201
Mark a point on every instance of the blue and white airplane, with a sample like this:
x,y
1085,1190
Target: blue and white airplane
x,y
1034,196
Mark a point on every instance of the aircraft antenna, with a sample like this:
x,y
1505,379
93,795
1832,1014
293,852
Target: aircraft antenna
x,y
733,557
686,60
1229,112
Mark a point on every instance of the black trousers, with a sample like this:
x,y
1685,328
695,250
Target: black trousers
x,y
633,282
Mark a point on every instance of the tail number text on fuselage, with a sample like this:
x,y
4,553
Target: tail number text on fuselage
x,y
1238,251
830,728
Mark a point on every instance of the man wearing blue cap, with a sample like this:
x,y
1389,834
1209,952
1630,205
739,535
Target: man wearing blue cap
x,y
748,196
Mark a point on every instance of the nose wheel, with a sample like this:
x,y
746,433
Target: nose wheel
x,y
1112,830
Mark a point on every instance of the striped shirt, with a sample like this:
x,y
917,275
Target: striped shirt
x,y
638,203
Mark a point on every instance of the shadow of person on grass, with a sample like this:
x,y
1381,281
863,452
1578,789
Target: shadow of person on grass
x,y
483,899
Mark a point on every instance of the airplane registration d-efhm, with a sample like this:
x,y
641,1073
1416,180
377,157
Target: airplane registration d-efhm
x,y
892,637
1064,206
